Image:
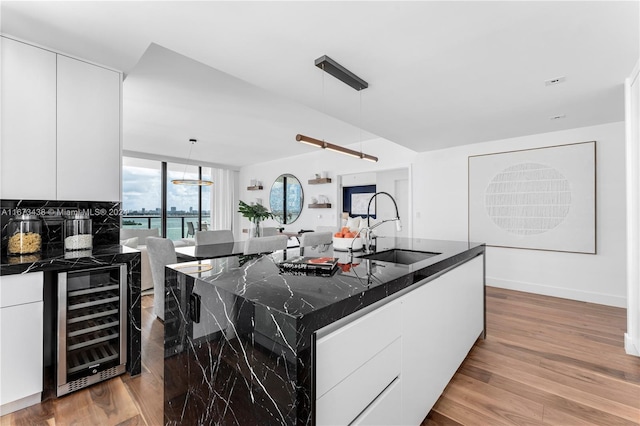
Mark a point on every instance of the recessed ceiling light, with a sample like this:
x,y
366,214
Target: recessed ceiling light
x,y
557,117
554,81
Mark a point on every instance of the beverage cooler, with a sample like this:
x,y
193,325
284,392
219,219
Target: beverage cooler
x,y
92,316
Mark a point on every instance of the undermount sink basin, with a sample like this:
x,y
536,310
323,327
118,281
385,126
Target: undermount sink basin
x,y
403,257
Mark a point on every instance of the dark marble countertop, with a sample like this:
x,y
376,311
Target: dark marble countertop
x,y
352,286
54,258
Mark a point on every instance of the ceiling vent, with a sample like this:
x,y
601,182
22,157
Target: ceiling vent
x,y
554,81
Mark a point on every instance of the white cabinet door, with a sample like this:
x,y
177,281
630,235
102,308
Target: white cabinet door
x,y
28,149
356,362
88,132
21,341
441,320
21,356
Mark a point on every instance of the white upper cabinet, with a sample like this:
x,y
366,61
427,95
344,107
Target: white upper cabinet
x,y
60,127
88,132
28,146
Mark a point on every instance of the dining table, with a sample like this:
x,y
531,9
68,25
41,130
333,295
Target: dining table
x,y
236,248
209,251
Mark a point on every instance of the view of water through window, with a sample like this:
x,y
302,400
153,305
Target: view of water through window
x,y
142,197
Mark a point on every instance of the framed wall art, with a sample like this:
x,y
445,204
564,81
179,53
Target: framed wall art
x,y
355,200
542,198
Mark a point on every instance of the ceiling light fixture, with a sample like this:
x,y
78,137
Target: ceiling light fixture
x,y
335,148
195,182
341,73
330,66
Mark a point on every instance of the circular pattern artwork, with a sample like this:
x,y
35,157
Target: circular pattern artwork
x,y
528,199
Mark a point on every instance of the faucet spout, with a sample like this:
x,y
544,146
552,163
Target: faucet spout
x,y
397,218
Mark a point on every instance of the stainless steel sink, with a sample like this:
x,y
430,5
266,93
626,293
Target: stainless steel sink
x,y
403,257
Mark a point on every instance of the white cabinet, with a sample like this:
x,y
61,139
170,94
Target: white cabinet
x,y
389,365
60,127
21,341
356,363
441,321
28,148
88,132
385,409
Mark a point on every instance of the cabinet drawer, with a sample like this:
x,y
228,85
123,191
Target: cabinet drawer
x,y
385,410
341,352
344,402
19,289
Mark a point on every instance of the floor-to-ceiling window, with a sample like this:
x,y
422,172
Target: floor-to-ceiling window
x,y
183,209
206,217
141,193
183,206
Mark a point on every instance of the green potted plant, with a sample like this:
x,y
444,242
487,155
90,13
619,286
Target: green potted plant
x,y
255,213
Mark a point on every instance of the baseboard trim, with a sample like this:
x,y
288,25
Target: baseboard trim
x,y
631,347
21,403
565,293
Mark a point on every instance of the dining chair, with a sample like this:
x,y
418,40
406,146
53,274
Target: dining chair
x,y
310,239
161,253
268,231
213,237
190,229
265,244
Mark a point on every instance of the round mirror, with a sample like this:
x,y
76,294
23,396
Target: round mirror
x,y
286,198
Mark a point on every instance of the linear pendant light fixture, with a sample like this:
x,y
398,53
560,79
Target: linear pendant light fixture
x,y
327,64
195,182
330,66
335,148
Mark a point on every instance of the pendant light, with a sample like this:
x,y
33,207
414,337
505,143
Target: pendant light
x,y
195,182
332,67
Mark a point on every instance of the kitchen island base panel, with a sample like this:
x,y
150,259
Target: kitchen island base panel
x,y
435,324
441,322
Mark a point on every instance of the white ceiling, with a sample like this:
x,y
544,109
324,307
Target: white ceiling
x,y
240,76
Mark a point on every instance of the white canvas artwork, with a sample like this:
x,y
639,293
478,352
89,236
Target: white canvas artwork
x,y
540,198
359,203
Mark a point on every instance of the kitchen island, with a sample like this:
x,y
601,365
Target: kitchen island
x,y
249,343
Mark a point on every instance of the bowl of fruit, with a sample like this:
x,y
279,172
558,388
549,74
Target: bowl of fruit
x,y
346,239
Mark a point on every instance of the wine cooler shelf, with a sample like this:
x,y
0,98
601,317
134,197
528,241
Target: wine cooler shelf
x,y
98,354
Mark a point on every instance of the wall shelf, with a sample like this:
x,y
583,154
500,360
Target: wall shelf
x,y
319,181
320,206
254,188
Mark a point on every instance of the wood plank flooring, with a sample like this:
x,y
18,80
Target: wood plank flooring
x,y
546,361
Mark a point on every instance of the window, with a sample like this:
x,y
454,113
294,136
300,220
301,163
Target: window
x,y
186,209
141,193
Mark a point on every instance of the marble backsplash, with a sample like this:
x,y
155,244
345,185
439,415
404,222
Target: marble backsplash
x,y
105,220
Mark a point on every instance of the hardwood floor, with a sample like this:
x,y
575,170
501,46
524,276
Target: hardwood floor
x,y
545,361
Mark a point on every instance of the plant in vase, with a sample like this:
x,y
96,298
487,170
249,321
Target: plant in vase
x,y
255,213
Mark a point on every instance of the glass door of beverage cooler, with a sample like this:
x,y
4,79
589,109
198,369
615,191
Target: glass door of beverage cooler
x,y
91,326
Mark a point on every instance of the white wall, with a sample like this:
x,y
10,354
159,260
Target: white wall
x,y
632,96
304,167
440,212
